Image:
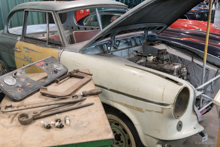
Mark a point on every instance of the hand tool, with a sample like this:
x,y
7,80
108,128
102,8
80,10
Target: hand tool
x,y
11,108
25,107
26,119
83,94
69,74
75,73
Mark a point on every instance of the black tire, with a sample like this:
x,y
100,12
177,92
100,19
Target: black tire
x,y
123,129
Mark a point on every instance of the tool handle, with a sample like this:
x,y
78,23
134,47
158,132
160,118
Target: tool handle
x,y
62,110
92,92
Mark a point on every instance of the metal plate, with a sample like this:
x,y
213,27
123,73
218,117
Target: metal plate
x,y
17,85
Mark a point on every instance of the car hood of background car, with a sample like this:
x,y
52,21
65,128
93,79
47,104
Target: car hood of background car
x,y
151,15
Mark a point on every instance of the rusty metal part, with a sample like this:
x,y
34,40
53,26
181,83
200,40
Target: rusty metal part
x,y
58,80
83,94
17,85
91,92
85,79
5,108
26,119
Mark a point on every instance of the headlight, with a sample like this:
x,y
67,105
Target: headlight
x,y
181,103
198,16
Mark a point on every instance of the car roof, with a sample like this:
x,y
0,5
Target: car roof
x,y
64,5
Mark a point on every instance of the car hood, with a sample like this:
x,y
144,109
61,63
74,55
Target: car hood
x,y
151,15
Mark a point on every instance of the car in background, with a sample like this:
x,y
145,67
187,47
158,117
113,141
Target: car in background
x,y
144,80
200,12
194,25
193,38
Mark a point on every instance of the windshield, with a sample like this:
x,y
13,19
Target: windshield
x,y
82,25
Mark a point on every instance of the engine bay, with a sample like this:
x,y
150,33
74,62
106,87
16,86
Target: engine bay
x,y
159,59
150,52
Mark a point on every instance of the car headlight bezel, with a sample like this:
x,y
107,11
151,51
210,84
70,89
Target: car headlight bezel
x,y
181,102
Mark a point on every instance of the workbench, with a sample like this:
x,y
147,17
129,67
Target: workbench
x,y
88,126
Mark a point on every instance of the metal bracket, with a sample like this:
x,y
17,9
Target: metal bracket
x,y
208,82
204,136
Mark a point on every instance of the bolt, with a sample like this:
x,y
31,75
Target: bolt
x,y
67,120
46,125
57,119
57,124
52,123
61,125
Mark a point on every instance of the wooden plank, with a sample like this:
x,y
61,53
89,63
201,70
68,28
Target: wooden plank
x,y
88,124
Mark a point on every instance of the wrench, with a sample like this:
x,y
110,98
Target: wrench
x,y
26,119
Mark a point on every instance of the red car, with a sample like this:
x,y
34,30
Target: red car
x,y
194,25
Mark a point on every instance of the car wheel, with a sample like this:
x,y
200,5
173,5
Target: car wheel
x,y
123,129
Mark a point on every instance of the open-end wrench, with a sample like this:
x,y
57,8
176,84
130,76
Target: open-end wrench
x,y
27,118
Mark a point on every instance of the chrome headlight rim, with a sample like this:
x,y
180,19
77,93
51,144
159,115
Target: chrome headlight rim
x,y
181,102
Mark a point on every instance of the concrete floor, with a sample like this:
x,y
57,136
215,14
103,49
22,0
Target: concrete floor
x,y
211,125
211,122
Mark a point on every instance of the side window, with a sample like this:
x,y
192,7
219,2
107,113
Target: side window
x,y
86,17
16,23
89,18
41,27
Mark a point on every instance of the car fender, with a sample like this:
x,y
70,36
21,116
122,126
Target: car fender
x,y
145,93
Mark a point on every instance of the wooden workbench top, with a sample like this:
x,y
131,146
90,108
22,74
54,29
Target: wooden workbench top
x,y
88,124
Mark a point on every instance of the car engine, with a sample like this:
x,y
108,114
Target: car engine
x,y
159,59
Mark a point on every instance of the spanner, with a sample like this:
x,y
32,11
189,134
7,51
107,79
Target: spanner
x,y
25,118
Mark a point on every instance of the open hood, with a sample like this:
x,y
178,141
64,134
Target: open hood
x,y
151,15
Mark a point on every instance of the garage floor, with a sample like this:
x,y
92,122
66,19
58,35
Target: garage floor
x,y
211,122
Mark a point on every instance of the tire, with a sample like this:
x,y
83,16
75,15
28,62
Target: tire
x,y
123,129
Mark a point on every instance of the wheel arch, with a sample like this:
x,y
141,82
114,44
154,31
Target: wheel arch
x,y
108,107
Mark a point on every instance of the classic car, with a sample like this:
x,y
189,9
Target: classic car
x,y
199,12
192,38
151,89
194,25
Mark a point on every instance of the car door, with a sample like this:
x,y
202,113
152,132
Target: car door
x,y
8,39
40,39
